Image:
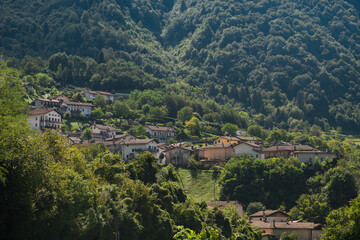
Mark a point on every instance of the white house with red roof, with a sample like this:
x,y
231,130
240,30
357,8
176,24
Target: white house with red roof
x,y
41,119
248,148
90,95
160,133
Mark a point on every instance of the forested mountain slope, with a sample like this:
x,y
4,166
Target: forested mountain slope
x,y
287,58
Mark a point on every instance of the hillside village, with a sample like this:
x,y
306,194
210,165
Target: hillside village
x,y
160,140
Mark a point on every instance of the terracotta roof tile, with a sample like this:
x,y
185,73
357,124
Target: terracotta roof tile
x,y
292,147
42,111
79,104
104,127
136,141
160,128
267,213
217,146
284,225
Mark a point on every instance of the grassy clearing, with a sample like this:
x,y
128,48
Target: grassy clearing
x,y
353,140
69,126
199,184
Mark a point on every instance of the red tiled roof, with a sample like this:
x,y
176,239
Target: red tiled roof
x,y
104,93
98,92
292,147
230,138
174,146
247,138
117,137
217,146
79,104
284,225
267,213
136,141
48,100
103,127
250,144
160,128
42,111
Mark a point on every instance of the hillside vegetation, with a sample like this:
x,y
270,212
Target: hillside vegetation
x,y
285,59
199,184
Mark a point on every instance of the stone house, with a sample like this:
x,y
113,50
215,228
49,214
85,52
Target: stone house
x,y
216,153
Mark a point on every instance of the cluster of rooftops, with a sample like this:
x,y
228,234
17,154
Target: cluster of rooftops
x,y
274,223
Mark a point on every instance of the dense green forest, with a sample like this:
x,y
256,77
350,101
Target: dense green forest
x,y
291,61
283,70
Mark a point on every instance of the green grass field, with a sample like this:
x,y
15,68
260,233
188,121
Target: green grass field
x,y
199,184
353,140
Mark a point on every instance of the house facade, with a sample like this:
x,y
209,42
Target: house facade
x,y
304,231
41,119
310,156
160,133
77,108
90,95
247,148
216,153
131,148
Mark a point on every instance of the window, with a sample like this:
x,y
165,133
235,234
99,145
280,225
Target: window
x,y
35,118
35,124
